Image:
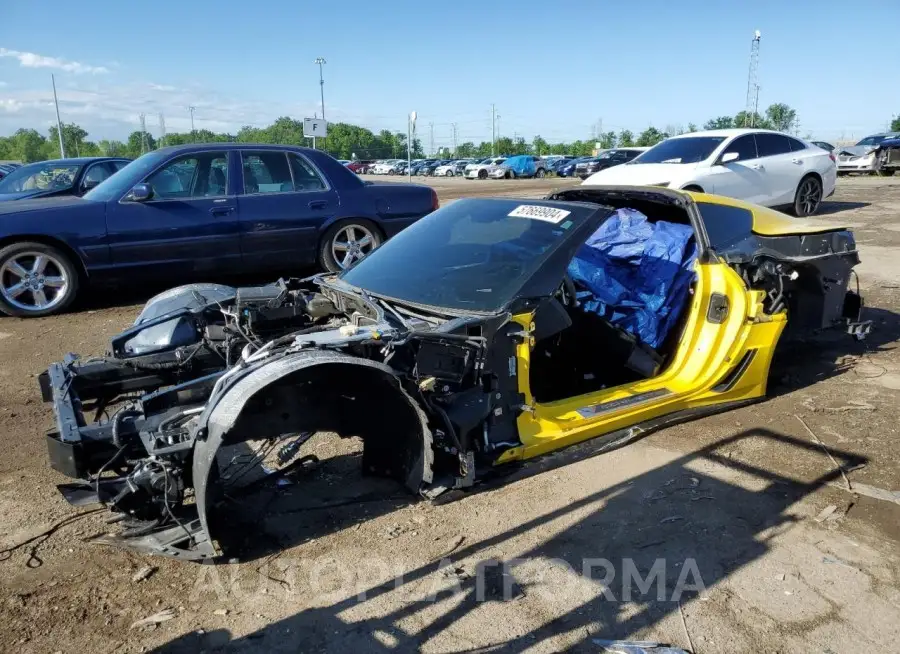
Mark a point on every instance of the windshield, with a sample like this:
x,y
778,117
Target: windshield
x,y
872,140
472,255
115,186
44,176
691,149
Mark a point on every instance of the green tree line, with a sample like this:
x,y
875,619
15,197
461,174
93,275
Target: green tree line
x,y
346,141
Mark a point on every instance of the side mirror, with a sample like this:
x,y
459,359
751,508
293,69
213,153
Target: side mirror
x,y
88,184
728,157
140,193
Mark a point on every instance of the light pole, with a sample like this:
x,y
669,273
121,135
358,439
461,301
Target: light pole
x,y
192,109
321,61
410,125
59,130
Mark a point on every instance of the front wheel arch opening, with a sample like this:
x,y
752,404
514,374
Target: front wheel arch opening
x,y
351,401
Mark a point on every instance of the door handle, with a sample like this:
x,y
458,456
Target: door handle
x,y
318,204
221,211
758,167
797,161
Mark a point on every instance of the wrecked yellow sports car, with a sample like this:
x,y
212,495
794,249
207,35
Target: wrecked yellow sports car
x,y
491,331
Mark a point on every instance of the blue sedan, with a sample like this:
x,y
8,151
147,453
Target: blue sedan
x,y
198,212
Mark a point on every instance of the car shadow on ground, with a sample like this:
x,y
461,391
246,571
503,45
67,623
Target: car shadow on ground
x,y
687,524
252,523
829,207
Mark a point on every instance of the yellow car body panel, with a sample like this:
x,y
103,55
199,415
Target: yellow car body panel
x,y
708,351
769,222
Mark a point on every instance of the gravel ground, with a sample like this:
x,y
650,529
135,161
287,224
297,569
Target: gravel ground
x,y
733,510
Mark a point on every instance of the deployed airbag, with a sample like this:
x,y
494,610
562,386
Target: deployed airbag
x,y
636,273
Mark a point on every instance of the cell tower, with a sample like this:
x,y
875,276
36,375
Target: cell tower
x,y
162,129
752,82
143,119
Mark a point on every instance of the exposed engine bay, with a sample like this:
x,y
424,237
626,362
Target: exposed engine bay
x,y
204,363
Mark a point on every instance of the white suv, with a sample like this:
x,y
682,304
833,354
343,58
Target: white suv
x,y
479,169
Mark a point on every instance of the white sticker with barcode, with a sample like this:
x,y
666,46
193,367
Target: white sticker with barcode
x,y
537,212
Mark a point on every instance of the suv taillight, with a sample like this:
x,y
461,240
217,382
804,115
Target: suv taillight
x,y
435,204
832,157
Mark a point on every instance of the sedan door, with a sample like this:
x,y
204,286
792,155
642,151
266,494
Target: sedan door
x,y
284,202
743,178
187,227
783,169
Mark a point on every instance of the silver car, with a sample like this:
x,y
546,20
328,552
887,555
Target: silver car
x,y
860,158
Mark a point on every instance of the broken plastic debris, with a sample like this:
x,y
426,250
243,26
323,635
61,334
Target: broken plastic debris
x,y
143,573
827,511
636,647
156,618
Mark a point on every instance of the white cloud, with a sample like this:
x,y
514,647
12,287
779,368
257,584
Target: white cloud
x,y
32,60
113,111
2,84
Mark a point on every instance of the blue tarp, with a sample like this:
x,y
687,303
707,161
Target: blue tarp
x,y
522,165
636,273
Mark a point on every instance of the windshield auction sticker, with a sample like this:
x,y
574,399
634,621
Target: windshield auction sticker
x,y
537,212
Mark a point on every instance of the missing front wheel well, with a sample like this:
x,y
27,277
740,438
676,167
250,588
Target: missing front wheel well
x,y
349,400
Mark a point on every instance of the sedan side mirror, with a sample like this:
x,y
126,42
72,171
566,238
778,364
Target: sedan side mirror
x,y
728,157
88,184
140,193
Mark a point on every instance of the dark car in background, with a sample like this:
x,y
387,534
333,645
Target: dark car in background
x,y
608,159
198,212
428,169
7,168
568,169
419,165
58,177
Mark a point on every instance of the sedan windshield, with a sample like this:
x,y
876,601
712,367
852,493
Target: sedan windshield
x,y
44,176
472,255
690,149
872,140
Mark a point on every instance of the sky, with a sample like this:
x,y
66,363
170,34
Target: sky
x,y
558,69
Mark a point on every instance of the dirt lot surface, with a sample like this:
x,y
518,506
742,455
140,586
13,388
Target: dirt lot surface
x,y
745,504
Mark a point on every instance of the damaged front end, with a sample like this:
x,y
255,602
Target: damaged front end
x,y
207,368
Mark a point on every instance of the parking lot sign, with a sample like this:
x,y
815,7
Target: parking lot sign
x,y
315,127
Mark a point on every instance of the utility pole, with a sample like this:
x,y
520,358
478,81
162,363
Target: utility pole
x,y
493,131
62,147
453,125
192,109
162,129
431,127
321,61
752,105
143,133
410,127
